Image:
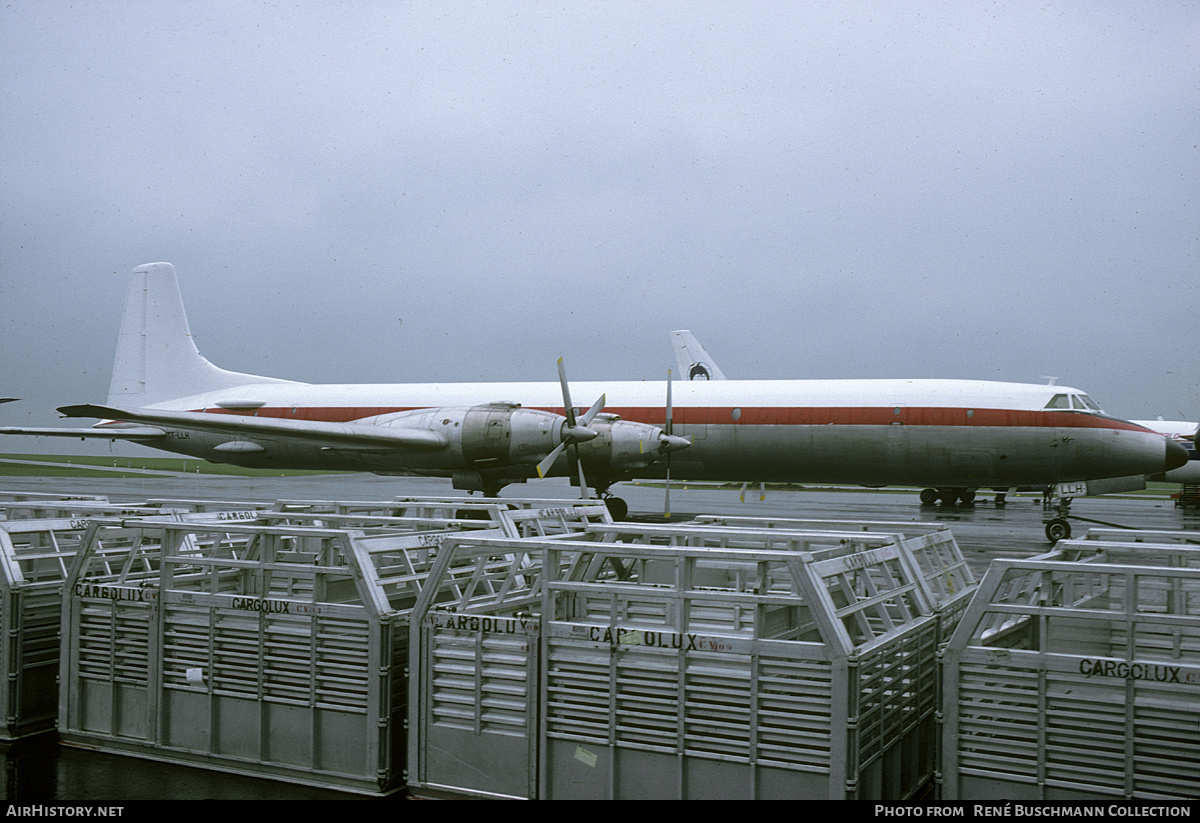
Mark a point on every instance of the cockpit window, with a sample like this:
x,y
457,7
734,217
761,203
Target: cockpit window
x,y
1073,401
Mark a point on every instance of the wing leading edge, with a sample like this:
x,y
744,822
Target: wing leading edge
x,y
331,435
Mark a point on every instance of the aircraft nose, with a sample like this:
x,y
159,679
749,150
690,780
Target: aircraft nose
x,y
1177,455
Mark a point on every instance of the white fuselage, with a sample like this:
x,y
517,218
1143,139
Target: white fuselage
x,y
869,432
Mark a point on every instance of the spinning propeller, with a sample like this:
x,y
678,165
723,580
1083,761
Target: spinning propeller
x,y
669,444
667,431
573,431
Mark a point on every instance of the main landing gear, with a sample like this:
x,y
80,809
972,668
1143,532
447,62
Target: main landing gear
x,y
618,509
948,497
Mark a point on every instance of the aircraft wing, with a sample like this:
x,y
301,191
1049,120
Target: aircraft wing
x,y
103,433
329,435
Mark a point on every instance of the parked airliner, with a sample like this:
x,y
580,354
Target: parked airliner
x,y
940,433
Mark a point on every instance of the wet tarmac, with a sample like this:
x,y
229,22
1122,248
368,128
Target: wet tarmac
x,y
41,771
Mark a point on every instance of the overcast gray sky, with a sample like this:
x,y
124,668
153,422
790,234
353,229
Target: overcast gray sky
x,y
456,191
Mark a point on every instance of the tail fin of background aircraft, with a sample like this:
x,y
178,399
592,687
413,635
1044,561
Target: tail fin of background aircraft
x,y
157,359
693,360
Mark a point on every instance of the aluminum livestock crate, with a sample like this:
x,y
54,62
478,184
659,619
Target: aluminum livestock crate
x,y
38,538
260,647
1075,675
622,670
269,650
33,565
34,557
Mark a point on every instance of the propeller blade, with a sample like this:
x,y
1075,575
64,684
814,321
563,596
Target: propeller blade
x,y
568,407
574,432
669,381
762,492
591,413
584,494
667,430
549,459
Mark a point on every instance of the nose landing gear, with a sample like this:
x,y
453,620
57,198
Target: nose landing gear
x,y
1056,508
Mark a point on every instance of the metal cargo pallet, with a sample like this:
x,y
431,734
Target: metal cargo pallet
x,y
1075,675
624,670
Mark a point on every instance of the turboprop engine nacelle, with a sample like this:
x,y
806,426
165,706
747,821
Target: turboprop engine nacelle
x,y
622,445
490,435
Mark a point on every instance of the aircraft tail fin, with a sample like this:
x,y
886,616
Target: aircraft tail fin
x,y
693,360
157,360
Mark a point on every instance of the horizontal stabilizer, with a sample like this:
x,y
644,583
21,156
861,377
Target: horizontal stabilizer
x,y
329,435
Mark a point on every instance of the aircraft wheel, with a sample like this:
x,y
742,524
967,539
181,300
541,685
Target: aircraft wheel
x,y
928,497
949,496
967,497
1058,529
617,508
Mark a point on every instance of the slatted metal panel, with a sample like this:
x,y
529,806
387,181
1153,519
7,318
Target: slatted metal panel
x,y
475,698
